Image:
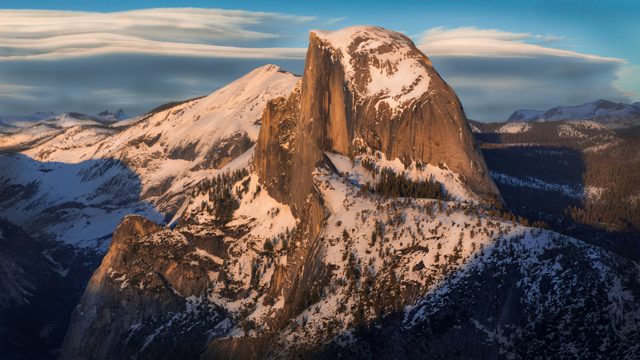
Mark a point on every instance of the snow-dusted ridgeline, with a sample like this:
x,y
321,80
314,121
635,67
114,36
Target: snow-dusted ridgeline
x,y
614,116
154,157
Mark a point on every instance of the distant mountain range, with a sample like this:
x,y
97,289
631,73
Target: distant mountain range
x,y
28,120
614,116
21,121
18,132
119,115
577,134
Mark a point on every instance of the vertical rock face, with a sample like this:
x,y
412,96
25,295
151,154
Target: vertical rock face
x,y
139,297
274,155
362,87
365,86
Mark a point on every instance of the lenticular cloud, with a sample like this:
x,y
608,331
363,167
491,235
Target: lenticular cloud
x,y
29,34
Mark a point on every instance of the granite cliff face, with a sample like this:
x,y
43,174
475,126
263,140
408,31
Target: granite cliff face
x,y
144,290
365,86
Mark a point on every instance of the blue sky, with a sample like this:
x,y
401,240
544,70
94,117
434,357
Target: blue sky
x,y
498,56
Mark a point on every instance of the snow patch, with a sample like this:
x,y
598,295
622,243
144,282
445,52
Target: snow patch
x,y
514,128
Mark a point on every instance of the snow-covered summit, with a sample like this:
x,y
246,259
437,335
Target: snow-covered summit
x,y
16,131
396,67
41,115
234,108
145,164
70,119
18,122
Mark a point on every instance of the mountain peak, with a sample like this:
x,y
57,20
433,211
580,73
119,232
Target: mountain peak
x,y
365,87
607,105
117,116
380,62
40,115
346,36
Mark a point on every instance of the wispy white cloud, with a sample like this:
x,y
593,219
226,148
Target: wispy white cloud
x,y
104,43
495,72
547,40
28,34
18,92
333,21
627,78
9,88
471,41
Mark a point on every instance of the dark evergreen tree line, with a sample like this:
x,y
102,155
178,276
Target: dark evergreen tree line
x,y
394,185
609,218
221,193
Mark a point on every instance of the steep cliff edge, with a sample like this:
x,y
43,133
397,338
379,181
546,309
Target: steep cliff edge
x,y
364,89
150,275
367,87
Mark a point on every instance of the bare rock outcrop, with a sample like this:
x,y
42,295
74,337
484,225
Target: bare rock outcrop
x,y
362,87
366,86
140,296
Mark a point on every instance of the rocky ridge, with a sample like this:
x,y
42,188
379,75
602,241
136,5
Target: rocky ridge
x,y
148,270
117,116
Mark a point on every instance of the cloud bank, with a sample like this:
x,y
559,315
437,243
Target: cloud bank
x,y
79,61
496,72
135,83
136,60
470,41
40,34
